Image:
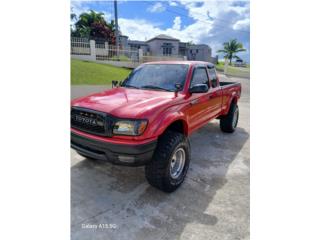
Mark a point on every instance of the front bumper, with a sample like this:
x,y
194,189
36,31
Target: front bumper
x,y
121,154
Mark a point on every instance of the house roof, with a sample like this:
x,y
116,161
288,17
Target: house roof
x,y
197,46
163,37
137,42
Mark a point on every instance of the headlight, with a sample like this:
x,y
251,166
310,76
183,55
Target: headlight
x,y
130,127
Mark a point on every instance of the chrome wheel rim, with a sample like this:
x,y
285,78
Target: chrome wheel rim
x,y
235,118
177,163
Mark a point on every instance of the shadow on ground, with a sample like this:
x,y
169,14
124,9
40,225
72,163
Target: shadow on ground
x,y
102,193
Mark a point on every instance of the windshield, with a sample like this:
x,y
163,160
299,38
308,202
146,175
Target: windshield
x,y
158,76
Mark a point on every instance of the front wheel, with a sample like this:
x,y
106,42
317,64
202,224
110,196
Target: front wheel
x,y
170,162
229,122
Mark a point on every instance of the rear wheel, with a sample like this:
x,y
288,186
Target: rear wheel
x,y
229,122
170,162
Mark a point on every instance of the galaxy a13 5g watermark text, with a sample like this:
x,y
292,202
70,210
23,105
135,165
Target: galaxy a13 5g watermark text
x,y
99,226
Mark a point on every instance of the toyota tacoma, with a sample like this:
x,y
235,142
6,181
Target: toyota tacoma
x,y
147,118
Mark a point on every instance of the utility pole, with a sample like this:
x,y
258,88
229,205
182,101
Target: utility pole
x,y
116,25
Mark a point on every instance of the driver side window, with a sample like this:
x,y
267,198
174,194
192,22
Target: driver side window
x,y
199,77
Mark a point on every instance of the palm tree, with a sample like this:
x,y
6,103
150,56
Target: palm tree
x,y
230,48
94,26
86,19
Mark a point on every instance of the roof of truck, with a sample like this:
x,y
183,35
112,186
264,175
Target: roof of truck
x,y
181,62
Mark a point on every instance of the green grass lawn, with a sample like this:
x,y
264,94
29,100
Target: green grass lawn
x,y
90,73
234,71
120,58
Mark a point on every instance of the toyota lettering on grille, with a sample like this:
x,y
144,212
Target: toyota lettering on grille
x,y
86,120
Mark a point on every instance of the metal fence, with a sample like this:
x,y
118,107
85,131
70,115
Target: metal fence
x,y
149,58
111,53
102,51
91,50
80,46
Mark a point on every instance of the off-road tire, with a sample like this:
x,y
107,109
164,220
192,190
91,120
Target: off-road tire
x,y
157,172
226,122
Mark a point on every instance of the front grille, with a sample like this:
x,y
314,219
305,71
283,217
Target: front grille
x,y
90,121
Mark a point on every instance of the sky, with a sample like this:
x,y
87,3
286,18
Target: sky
x,y
209,22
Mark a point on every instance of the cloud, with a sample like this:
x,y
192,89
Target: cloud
x,y
156,8
242,24
173,4
107,16
223,20
176,23
214,22
79,7
138,29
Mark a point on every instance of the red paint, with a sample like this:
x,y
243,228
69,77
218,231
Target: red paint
x,y
161,108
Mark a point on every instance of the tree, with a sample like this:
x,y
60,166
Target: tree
x,y
88,18
73,16
231,48
93,25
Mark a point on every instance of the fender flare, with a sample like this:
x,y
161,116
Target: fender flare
x,y
234,98
167,120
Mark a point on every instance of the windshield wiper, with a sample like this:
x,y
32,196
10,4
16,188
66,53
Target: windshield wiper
x,y
155,87
130,86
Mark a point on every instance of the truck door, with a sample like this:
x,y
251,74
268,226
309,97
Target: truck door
x,y
198,111
215,93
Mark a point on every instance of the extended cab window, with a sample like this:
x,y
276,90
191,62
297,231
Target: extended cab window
x,y
212,76
199,77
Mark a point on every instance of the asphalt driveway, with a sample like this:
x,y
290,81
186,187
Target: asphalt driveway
x,y
116,202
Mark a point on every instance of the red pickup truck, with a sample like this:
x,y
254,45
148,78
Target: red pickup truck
x,y
147,118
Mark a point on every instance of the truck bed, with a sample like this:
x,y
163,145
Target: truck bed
x,y
229,90
227,83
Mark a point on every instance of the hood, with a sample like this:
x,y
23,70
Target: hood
x,y
127,102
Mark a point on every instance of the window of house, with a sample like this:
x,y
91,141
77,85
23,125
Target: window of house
x,y
212,76
199,77
197,51
167,51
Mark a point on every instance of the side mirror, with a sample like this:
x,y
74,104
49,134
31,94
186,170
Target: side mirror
x,y
199,88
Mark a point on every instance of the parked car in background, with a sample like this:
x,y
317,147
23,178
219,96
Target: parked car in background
x,y
239,63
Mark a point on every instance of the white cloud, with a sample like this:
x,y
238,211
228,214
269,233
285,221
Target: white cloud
x,y
107,16
242,24
223,20
139,29
176,23
173,4
214,23
156,8
78,7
